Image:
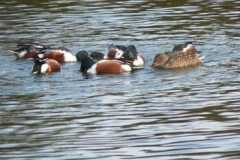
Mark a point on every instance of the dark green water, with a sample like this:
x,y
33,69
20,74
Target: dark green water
x,y
149,114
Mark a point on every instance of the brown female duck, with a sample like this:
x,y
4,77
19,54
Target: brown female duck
x,y
176,60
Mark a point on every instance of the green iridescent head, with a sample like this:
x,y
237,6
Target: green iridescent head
x,y
81,55
130,53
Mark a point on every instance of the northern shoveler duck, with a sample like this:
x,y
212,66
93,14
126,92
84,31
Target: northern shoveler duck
x,y
126,53
103,66
186,47
60,54
177,60
32,50
86,61
44,66
27,50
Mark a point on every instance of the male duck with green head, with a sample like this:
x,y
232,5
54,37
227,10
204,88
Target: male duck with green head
x,y
104,66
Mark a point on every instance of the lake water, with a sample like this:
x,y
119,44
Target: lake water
x,y
189,113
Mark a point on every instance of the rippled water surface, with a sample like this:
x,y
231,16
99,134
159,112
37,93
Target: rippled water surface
x,y
190,113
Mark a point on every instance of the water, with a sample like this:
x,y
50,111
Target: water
x,y
149,114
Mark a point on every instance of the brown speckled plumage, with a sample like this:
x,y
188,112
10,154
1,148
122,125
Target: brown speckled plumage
x,y
176,60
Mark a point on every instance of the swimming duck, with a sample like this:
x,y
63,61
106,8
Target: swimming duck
x,y
176,60
186,47
32,50
27,50
126,53
60,54
103,66
44,66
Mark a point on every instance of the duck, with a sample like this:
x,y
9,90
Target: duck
x,y
27,50
185,47
60,54
33,50
45,66
172,60
104,66
126,53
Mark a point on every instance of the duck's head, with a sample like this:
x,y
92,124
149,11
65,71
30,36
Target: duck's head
x,y
86,61
160,60
27,50
130,53
81,55
24,52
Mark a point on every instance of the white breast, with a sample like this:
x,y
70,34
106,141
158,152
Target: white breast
x,y
69,57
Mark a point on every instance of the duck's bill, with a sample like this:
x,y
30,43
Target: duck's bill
x,y
13,51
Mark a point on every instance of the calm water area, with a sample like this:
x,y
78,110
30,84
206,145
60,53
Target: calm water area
x,y
180,114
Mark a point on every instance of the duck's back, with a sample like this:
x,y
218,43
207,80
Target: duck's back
x,y
182,59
